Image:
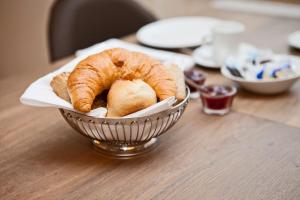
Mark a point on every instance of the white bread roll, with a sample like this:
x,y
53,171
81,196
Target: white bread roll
x,y
178,76
126,97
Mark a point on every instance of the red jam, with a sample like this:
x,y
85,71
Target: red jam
x,y
217,99
194,79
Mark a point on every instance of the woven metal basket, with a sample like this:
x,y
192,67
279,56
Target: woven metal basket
x,y
125,137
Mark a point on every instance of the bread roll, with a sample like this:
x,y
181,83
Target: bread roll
x,y
126,97
178,76
59,85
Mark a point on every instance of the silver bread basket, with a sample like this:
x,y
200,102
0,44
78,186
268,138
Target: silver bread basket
x,y
125,137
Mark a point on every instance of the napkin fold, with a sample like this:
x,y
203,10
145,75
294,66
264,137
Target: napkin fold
x,y
40,93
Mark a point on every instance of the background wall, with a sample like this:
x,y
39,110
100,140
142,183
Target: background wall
x,y
23,35
23,32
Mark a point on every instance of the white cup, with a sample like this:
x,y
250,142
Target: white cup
x,y
226,37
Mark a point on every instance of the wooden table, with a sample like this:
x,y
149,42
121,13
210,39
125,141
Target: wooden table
x,y
251,153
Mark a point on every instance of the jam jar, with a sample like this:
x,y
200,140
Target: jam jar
x,y
194,78
217,99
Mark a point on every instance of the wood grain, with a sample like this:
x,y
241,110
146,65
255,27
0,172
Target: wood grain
x,y
201,157
251,153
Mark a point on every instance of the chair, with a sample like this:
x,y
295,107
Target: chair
x,y
76,24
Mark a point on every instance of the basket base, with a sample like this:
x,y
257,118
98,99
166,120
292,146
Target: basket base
x,y
123,151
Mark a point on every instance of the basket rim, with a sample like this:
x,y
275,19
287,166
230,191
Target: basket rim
x,y
175,108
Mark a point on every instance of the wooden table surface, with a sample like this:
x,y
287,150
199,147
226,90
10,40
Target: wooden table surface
x,y
251,153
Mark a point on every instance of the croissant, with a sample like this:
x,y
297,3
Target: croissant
x,y
97,72
59,86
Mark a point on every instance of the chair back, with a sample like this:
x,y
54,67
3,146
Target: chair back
x,y
76,24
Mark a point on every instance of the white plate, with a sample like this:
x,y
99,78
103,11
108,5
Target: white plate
x,y
294,39
266,86
179,32
203,57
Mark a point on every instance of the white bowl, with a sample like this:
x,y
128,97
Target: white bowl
x,y
266,86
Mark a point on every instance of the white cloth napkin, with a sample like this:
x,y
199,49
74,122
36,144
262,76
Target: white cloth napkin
x,y
158,107
40,93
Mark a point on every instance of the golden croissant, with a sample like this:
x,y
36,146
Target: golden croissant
x,y
97,72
